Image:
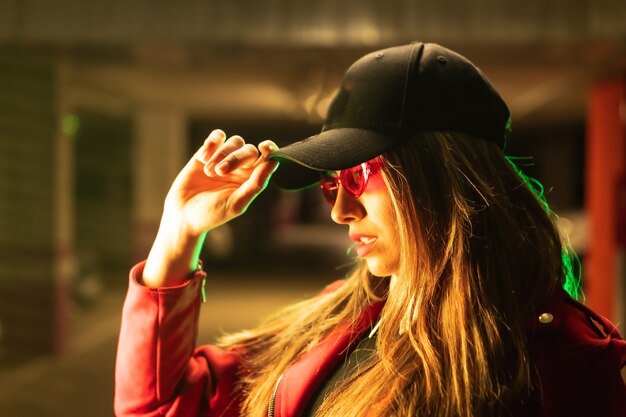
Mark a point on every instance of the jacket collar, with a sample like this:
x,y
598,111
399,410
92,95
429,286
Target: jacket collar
x,y
301,380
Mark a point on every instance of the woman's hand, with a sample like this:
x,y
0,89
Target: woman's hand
x,y
217,184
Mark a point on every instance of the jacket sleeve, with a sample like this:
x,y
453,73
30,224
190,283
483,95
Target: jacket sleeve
x,y
159,371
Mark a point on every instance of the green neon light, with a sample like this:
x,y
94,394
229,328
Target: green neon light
x,y
70,124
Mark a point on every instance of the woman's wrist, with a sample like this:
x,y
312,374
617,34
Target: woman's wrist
x,y
174,255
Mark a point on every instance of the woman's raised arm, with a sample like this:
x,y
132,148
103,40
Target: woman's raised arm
x,y
217,184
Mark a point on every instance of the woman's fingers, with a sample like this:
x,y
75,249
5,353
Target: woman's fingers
x,y
252,187
263,170
231,145
220,156
234,154
265,148
247,157
239,172
211,143
243,157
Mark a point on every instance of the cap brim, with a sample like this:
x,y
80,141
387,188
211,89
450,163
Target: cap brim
x,y
332,150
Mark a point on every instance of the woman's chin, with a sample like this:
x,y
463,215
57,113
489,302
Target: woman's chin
x,y
379,269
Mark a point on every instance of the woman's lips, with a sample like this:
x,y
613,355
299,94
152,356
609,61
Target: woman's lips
x,y
365,243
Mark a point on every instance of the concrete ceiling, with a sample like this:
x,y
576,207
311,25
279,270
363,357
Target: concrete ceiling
x,y
330,23
541,84
283,58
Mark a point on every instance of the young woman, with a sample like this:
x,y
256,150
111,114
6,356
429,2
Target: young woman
x,y
456,306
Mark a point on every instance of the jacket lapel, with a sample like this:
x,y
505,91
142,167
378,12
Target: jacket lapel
x,y
303,378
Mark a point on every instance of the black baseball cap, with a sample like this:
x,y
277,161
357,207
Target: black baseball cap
x,y
384,98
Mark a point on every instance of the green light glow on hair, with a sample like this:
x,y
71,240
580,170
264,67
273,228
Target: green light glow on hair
x,y
569,259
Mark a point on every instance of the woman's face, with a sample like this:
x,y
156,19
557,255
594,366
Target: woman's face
x,y
372,225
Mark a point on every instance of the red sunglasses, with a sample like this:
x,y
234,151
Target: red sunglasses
x,y
353,180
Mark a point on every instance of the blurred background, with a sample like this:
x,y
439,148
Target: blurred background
x,y
102,102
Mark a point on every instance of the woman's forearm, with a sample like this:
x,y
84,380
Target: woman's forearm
x,y
174,256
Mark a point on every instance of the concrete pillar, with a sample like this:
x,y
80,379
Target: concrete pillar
x,y
64,259
606,168
160,151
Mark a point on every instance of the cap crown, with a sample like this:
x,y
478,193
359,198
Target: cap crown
x,y
418,87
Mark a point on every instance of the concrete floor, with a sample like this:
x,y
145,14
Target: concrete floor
x,y
80,382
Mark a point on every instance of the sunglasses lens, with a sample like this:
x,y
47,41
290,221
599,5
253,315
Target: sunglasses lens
x,y
353,180
329,188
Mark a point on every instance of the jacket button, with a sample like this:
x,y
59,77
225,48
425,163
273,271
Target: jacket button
x,y
545,318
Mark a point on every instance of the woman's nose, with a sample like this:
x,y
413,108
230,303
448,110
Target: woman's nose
x,y
347,209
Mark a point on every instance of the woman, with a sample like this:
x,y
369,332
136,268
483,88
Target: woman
x,y
456,306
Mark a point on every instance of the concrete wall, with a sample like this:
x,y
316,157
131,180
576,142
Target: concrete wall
x,y
30,249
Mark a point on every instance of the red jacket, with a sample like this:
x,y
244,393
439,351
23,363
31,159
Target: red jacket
x,y
160,371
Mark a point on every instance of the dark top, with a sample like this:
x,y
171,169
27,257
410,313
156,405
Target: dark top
x,y
361,352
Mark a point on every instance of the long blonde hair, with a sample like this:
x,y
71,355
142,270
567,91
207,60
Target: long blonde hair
x,y
479,253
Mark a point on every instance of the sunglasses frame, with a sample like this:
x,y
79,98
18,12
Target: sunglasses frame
x,y
330,184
